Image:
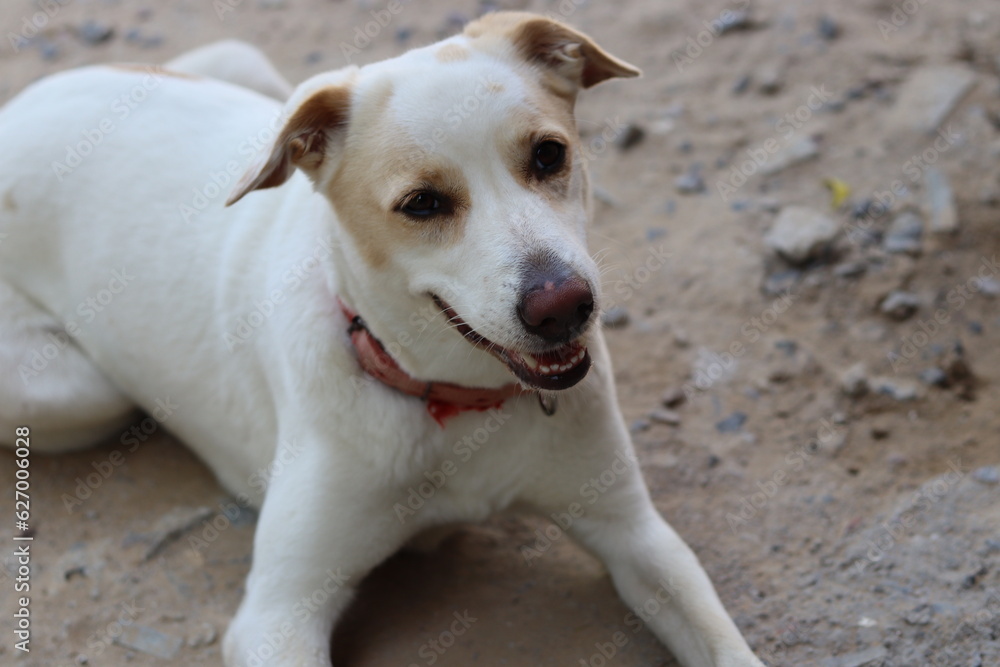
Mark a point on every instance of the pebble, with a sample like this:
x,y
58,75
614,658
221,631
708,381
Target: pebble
x,y
781,282
741,85
800,150
871,656
733,20
638,426
940,202
143,41
934,377
854,381
204,636
990,287
900,390
615,317
770,78
800,234
987,475
668,417
899,305
673,397
93,32
929,96
904,234
731,424
828,28
149,641
850,269
630,137
690,182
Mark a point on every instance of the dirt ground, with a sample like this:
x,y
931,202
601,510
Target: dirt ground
x,y
848,515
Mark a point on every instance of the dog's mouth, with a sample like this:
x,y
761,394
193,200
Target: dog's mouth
x,y
553,370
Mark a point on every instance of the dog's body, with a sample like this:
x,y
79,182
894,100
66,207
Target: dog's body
x,y
229,325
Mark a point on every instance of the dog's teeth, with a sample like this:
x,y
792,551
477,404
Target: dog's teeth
x,y
545,369
530,361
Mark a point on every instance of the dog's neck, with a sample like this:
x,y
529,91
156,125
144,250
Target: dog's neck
x,y
444,400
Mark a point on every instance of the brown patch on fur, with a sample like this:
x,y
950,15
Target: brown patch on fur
x,y
555,46
379,166
155,70
302,142
450,53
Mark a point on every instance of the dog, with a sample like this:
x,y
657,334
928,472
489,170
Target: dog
x,y
350,284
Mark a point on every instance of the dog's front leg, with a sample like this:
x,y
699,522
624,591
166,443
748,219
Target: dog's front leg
x,y
321,530
600,497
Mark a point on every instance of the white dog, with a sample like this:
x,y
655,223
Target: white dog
x,y
402,274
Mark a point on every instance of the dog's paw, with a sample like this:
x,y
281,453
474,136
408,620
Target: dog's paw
x,y
248,644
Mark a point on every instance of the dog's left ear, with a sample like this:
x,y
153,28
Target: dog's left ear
x,y
303,142
554,46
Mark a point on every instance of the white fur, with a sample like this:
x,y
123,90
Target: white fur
x,y
292,391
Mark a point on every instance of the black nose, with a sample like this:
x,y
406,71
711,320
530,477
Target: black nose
x,y
556,308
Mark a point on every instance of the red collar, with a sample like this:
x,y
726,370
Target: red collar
x,y
444,400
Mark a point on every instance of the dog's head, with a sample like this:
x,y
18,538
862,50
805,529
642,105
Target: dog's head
x,y
459,176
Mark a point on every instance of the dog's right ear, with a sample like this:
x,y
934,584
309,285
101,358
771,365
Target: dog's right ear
x,y
303,142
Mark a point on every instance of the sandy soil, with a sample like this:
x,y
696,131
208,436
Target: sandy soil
x,y
841,530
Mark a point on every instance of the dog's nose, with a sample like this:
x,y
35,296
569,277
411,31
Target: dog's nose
x,y
557,309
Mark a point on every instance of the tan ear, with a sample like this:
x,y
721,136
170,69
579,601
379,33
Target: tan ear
x,y
553,45
303,141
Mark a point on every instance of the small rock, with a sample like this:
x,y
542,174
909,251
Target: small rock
x,y
854,381
204,636
631,136
904,234
989,287
149,641
827,28
899,305
934,377
868,658
93,32
987,475
801,234
615,317
48,50
732,21
638,426
690,182
900,390
800,150
673,397
604,196
940,202
929,96
731,424
770,77
741,85
665,417
781,282
920,615
144,41
169,527
850,269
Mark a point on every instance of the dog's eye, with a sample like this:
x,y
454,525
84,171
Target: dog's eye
x,y
549,156
422,205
